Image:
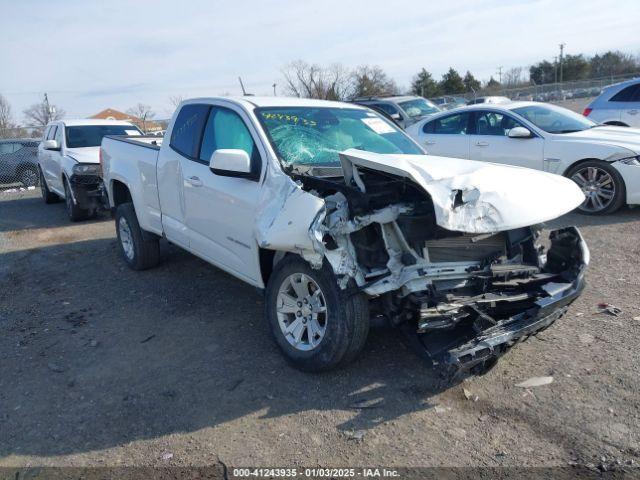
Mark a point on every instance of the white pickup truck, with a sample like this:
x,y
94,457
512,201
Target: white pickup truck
x,y
339,216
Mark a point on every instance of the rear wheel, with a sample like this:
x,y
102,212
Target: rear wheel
x,y
317,325
73,209
602,186
47,195
141,250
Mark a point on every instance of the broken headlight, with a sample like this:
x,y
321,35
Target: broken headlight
x,y
86,169
631,161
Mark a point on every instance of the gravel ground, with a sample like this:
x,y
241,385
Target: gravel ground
x,y
104,366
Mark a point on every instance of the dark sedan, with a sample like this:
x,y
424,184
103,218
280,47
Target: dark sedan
x,y
19,161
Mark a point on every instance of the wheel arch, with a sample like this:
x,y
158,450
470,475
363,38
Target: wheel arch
x,y
120,193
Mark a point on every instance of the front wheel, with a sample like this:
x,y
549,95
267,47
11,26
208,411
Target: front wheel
x,y
317,325
74,211
47,195
602,186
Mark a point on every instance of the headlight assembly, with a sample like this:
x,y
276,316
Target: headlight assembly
x,y
86,169
631,161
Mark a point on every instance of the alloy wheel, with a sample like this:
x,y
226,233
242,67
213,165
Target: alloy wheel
x,y
598,188
126,239
302,311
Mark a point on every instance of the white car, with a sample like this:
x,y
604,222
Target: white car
x,y
618,104
603,160
68,162
339,216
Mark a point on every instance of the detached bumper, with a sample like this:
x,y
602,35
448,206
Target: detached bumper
x,y
88,191
477,348
485,349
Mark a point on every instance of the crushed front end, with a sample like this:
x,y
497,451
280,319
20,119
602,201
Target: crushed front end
x,y
463,299
87,187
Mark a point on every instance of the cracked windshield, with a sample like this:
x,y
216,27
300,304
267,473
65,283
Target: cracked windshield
x,y
305,136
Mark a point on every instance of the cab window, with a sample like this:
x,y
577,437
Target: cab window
x,y
225,129
187,130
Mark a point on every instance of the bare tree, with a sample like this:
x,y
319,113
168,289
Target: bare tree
x,y
314,81
372,81
40,114
176,100
513,77
142,114
6,123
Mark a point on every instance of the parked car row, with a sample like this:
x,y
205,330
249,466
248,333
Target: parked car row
x,y
604,160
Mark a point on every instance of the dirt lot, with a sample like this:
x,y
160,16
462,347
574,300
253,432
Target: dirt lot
x,y
101,365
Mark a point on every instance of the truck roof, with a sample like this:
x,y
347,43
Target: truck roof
x,y
279,102
93,121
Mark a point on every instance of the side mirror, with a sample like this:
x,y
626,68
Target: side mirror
x,y
50,145
396,116
230,163
519,132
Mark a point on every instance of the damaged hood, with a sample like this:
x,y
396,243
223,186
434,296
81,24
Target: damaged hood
x,y
85,154
475,197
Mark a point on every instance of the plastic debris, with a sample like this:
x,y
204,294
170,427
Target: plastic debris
x,y
610,309
469,396
535,382
357,435
167,456
367,403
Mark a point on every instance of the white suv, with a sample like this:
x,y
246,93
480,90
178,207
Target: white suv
x,y
69,162
618,104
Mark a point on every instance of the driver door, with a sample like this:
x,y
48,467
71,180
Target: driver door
x,y
220,209
491,142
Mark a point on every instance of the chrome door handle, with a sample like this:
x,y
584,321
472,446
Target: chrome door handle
x,y
482,144
194,181
429,142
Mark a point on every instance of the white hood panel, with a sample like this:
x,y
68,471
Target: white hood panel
x,y
494,197
84,155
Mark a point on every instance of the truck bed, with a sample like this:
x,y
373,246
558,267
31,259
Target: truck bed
x,y
132,161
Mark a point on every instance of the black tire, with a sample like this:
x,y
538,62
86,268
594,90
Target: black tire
x,y
75,213
48,196
619,193
347,320
29,177
145,246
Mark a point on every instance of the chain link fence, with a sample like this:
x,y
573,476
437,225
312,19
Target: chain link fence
x,y
19,160
555,92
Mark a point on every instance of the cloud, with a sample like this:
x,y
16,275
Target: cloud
x,y
93,55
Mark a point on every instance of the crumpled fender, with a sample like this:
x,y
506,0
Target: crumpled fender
x,y
475,197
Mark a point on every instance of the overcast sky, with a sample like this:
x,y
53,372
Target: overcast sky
x,y
91,55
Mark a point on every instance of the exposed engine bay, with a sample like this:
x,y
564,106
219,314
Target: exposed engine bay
x,y
463,295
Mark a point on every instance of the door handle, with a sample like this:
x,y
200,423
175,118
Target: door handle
x,y
482,144
429,142
632,112
194,181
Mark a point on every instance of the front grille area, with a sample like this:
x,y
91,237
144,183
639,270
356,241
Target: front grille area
x,y
464,249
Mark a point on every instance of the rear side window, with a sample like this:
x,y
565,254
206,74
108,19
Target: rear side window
x,y
385,107
629,94
451,125
188,128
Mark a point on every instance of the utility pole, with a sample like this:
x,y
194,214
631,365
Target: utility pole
x,y
48,108
500,74
274,90
561,58
555,69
